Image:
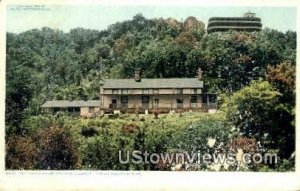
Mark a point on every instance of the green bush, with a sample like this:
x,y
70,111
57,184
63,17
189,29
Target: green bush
x,y
256,111
194,137
58,150
21,153
95,143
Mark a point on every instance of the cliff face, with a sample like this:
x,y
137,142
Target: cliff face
x,y
192,24
174,23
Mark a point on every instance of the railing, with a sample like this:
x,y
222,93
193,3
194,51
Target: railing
x,y
234,24
179,105
234,19
211,105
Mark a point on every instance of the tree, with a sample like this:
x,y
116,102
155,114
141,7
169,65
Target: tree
x,y
250,109
185,39
18,97
83,38
100,152
283,76
256,111
21,153
58,150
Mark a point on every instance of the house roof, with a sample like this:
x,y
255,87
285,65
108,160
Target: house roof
x,y
66,103
153,83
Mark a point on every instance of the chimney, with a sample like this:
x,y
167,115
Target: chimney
x,y
137,75
199,74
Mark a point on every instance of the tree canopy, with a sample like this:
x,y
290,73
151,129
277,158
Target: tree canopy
x,y
254,70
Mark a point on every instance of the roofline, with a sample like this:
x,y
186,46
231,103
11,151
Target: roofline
x,y
249,18
146,78
72,101
104,86
154,87
234,28
230,21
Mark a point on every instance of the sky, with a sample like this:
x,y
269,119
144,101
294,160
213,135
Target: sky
x,y
65,17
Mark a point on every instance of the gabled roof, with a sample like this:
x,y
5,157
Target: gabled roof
x,y
66,103
153,83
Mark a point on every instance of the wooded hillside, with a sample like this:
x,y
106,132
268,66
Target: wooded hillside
x,y
253,72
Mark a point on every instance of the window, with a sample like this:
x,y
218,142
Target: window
x,y
194,91
113,103
179,91
114,91
77,109
155,91
124,99
91,109
145,91
124,91
204,97
56,109
179,103
63,109
70,109
212,98
193,99
145,99
73,109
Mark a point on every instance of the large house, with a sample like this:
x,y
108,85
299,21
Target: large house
x,y
144,95
249,22
158,94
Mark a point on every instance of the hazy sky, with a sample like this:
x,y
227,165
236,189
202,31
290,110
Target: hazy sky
x,y
65,17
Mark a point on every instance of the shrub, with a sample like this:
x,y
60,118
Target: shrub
x,y
194,137
21,153
58,149
251,108
100,152
286,165
129,128
35,124
89,131
257,112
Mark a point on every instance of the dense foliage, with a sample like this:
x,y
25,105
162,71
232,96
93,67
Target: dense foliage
x,y
253,72
93,144
52,147
256,111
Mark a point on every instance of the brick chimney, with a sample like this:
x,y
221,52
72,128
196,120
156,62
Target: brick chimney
x,y
199,74
137,75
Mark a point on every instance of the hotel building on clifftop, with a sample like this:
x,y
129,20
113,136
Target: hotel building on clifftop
x,y
249,22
